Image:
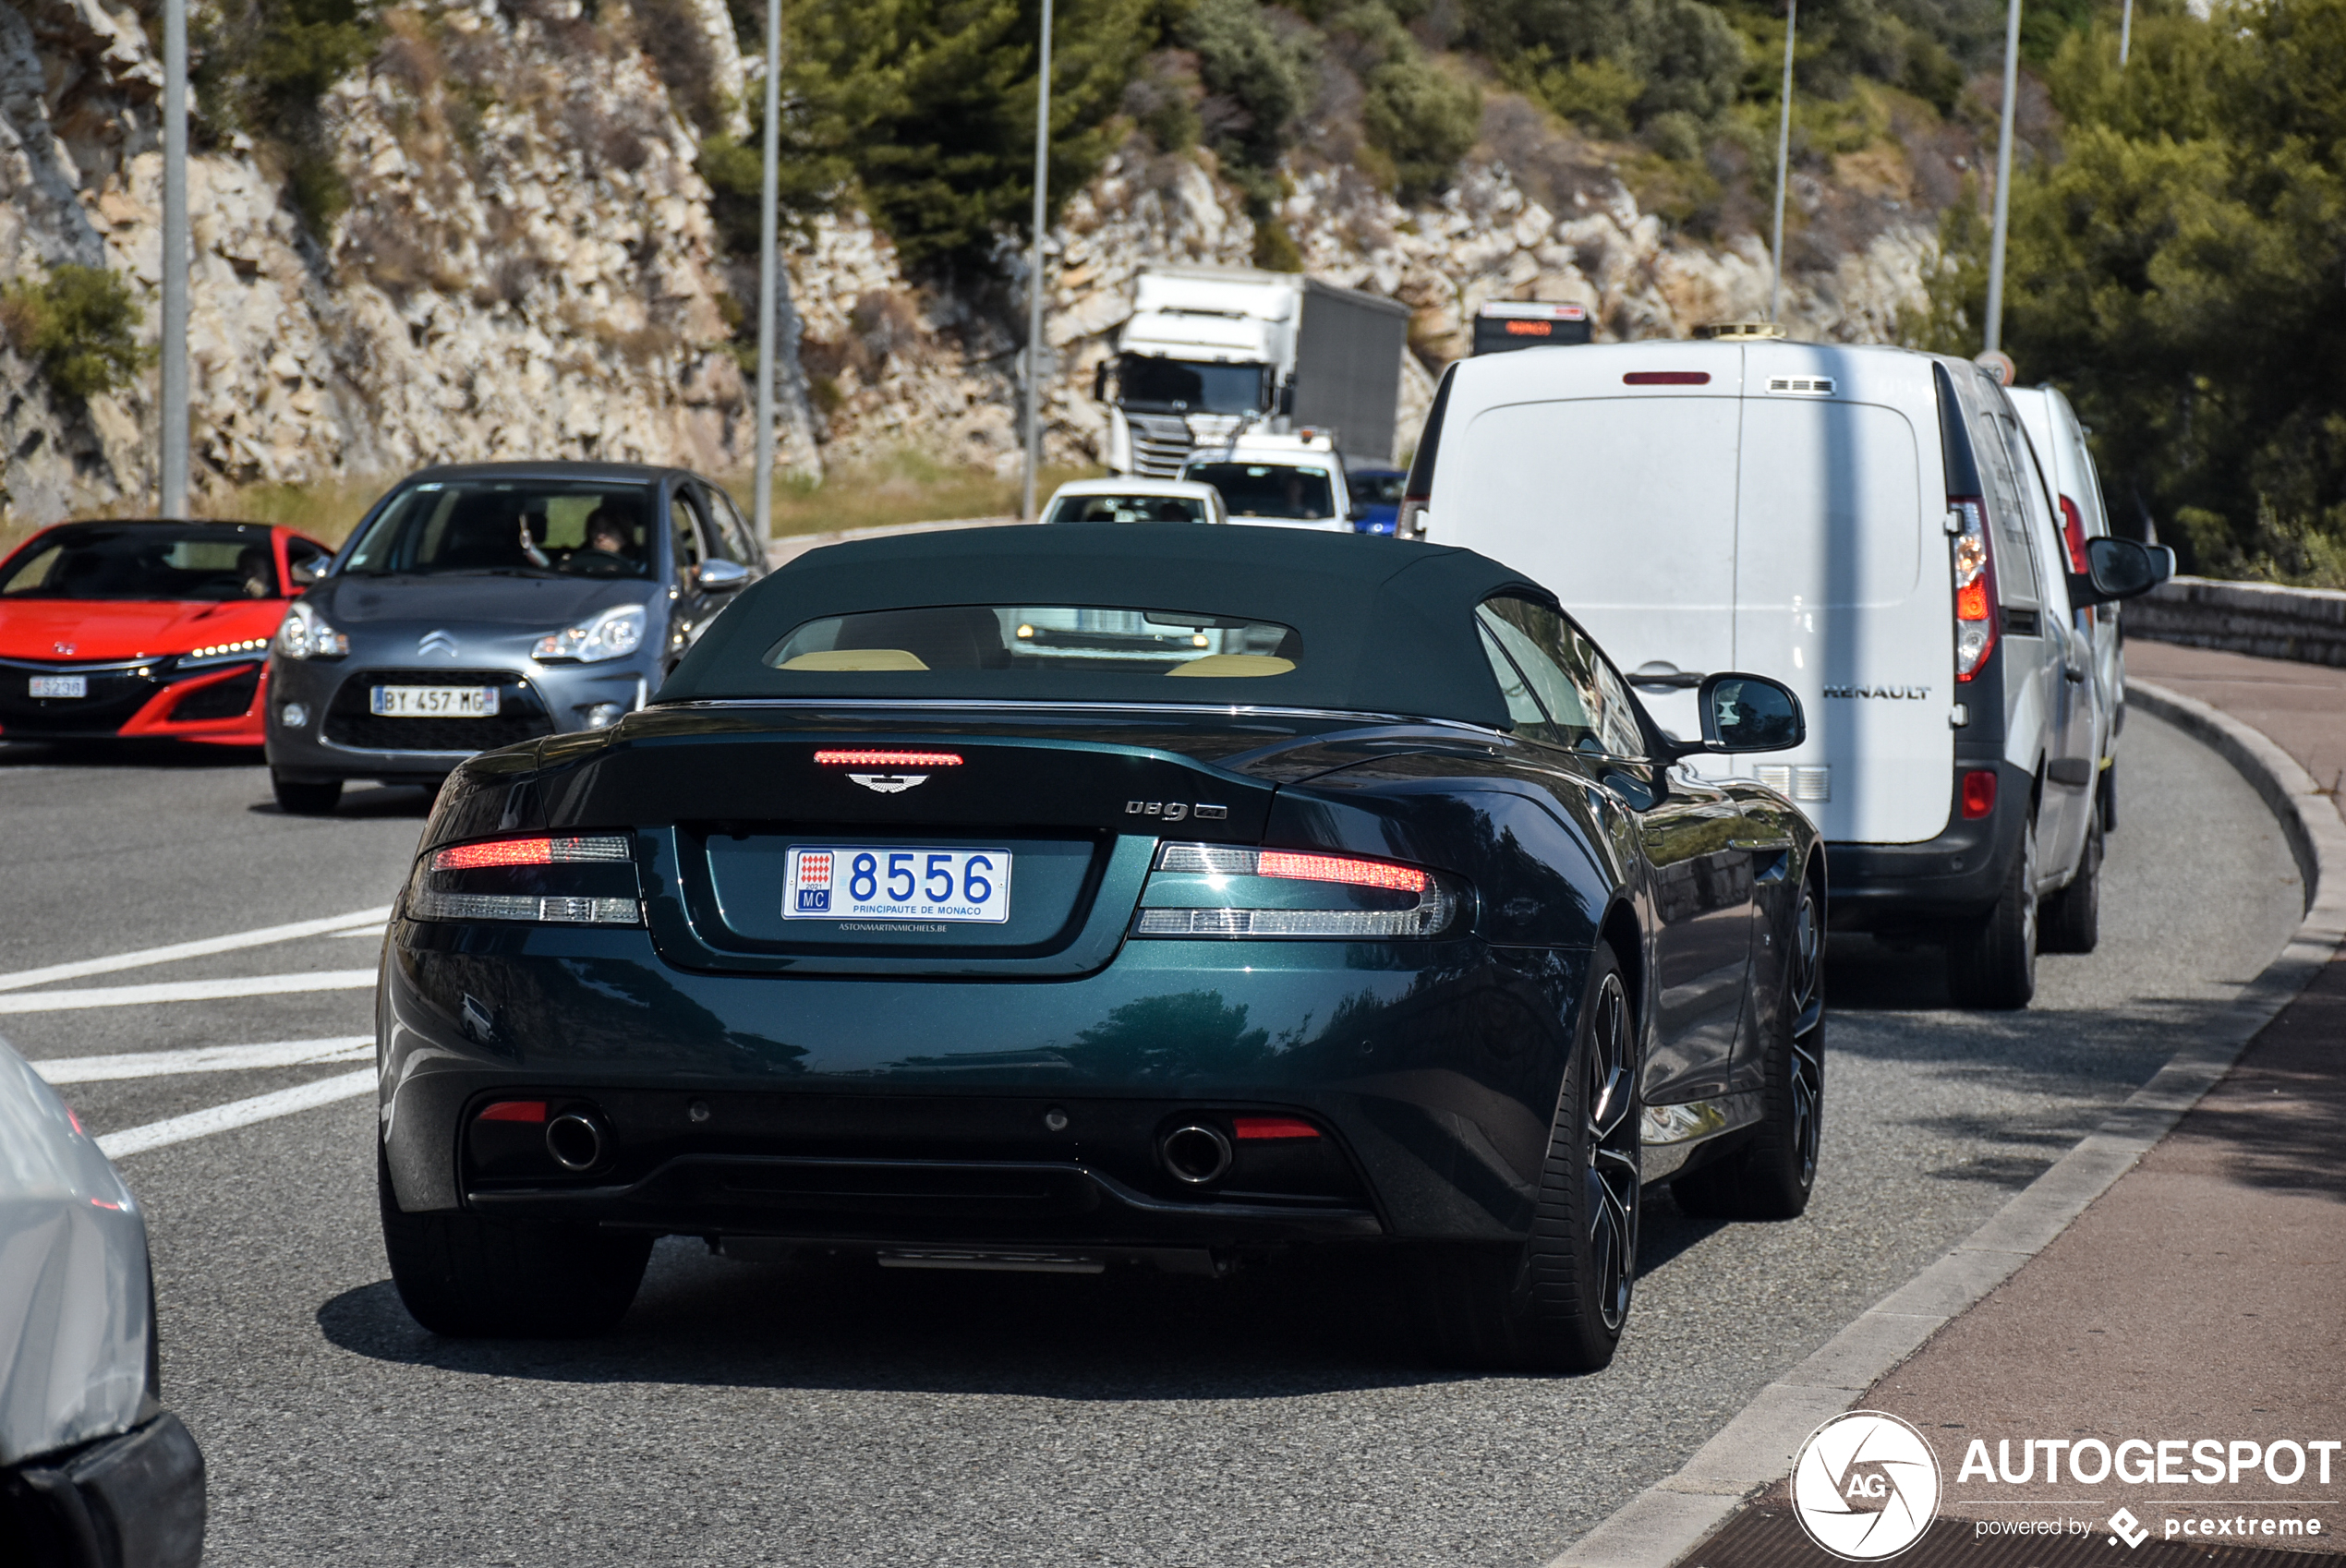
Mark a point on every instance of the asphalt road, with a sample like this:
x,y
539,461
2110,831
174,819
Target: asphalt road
x,y
752,1413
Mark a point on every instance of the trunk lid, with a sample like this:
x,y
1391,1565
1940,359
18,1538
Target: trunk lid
x,y
729,801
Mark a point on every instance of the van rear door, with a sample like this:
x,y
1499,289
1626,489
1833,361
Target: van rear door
x,y
1842,586
1609,476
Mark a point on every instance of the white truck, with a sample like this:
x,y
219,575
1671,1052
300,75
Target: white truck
x,y
1213,353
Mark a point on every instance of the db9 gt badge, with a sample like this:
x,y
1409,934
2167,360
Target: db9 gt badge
x,y
1864,1487
889,783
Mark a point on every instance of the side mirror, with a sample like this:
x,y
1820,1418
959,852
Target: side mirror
x,y
2119,568
313,569
1357,512
719,576
1287,398
1747,713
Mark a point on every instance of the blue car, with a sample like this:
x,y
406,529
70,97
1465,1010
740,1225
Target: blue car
x,y
1378,492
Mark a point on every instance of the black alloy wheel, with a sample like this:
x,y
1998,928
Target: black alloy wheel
x,y
466,1277
1771,1174
1557,1301
2070,922
1993,965
305,800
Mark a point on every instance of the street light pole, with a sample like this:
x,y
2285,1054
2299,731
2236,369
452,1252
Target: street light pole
x,y
768,245
1995,332
172,413
1035,274
1784,154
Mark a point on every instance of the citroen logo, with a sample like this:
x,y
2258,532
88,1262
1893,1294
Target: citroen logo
x,y
438,641
64,648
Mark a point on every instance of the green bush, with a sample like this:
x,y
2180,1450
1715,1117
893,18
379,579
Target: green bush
x,y
79,325
262,67
2177,272
1423,117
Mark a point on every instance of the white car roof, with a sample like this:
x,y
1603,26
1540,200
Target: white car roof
x,y
1134,485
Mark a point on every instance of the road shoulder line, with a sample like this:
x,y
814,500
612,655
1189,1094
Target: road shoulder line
x,y
1754,1450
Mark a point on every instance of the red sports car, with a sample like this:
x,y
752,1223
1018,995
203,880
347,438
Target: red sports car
x,y
145,629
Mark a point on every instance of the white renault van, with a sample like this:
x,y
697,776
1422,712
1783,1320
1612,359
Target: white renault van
x,y
1864,525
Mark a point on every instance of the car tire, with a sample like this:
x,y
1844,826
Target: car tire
x,y
1770,1175
305,800
1993,966
2070,922
467,1277
1557,1302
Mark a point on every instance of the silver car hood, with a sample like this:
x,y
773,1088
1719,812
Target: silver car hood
x,y
461,599
74,1289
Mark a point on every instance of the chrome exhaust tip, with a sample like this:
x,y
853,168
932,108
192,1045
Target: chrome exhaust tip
x,y
1195,1153
576,1141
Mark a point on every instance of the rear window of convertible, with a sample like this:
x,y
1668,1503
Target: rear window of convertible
x,y
964,644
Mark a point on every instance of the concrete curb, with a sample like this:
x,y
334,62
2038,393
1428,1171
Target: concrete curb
x,y
1670,1519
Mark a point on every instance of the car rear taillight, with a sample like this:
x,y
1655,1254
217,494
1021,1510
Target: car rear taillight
x,y
2073,534
1221,890
541,878
1979,793
1974,585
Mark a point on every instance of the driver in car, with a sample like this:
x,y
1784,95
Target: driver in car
x,y
607,534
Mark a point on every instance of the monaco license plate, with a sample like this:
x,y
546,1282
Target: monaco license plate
x,y
61,685
857,882
435,702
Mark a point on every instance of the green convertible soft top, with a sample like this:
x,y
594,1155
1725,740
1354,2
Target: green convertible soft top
x,y
1388,625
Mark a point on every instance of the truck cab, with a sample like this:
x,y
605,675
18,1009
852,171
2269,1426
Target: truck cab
x,y
1213,354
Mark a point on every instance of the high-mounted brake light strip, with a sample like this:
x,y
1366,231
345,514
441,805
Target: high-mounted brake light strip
x,y
889,759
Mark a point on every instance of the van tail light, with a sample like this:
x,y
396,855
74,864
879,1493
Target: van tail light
x,y
1974,585
1408,520
1979,793
539,878
2073,534
1222,890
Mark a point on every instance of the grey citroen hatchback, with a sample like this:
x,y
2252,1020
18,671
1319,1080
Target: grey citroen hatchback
x,y
484,605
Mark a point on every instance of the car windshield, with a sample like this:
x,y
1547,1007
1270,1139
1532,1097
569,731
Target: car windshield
x,y
1269,490
1031,638
577,528
1186,386
1128,508
145,561
1377,489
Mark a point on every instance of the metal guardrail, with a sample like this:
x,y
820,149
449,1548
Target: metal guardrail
x,y
2304,624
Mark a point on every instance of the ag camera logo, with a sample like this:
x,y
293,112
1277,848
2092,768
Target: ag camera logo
x,y
1864,1487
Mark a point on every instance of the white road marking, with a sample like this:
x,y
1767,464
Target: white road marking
x,y
196,949
189,990
237,1113
362,931
205,1059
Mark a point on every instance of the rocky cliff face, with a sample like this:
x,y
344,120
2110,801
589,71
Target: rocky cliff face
x,y
528,267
